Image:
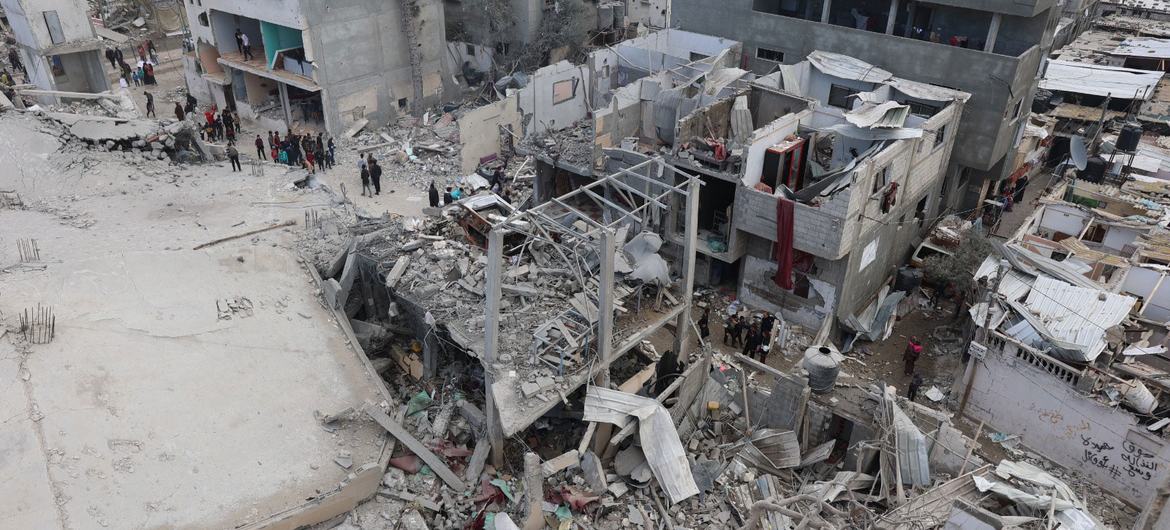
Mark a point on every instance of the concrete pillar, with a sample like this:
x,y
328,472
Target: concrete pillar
x,y
284,104
992,33
491,337
892,17
683,325
825,11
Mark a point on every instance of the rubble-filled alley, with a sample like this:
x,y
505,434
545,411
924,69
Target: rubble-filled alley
x,y
537,264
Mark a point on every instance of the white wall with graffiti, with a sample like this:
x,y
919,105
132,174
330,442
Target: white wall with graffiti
x,y
1020,393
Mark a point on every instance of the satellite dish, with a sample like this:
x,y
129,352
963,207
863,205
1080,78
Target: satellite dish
x,y
1076,148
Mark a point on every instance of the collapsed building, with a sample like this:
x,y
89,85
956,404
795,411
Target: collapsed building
x,y
317,67
1079,313
58,46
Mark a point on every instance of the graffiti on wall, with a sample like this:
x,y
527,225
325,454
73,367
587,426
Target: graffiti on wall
x,y
1132,461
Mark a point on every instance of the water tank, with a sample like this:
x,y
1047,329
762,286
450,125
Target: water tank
x,y
1094,170
1131,135
822,368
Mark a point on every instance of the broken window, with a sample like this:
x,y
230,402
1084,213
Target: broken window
x,y
940,136
564,90
471,50
921,109
54,25
920,209
770,55
839,96
401,103
203,20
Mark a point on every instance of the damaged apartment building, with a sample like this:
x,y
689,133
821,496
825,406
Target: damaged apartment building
x,y
991,49
57,45
315,66
852,158
1071,359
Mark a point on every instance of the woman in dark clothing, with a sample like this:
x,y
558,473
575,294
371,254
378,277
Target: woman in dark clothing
x,y
433,195
704,324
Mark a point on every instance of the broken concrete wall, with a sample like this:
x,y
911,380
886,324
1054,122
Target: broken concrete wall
x,y
479,58
652,13
196,84
669,48
362,59
603,67
30,26
480,131
757,289
556,97
1019,392
711,121
622,116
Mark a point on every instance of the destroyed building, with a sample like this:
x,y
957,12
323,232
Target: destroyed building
x,y
1074,362
317,67
57,45
992,49
856,155
1147,9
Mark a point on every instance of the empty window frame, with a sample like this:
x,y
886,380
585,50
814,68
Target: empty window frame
x,y
564,91
770,55
54,25
839,96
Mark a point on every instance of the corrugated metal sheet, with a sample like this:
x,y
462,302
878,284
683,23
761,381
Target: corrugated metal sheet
x,y
913,461
1100,80
1015,285
1144,47
1076,315
888,115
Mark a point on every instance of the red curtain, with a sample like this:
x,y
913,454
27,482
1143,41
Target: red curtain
x,y
784,214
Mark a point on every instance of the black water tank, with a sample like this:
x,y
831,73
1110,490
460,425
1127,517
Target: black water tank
x,y
1130,137
1094,170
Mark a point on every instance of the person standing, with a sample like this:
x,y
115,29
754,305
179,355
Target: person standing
x,y
915,384
448,196
704,324
752,344
239,41
332,149
110,57
149,104
910,356
271,144
766,324
119,57
227,121
260,148
433,195
247,44
366,192
179,114
234,156
376,177
191,103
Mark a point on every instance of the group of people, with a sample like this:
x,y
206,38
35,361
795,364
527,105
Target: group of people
x,y
217,125
143,72
752,332
304,150
371,173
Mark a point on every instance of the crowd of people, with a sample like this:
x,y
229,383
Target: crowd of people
x,y
752,332
304,150
142,73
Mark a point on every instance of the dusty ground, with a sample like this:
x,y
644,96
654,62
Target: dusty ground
x,y
148,410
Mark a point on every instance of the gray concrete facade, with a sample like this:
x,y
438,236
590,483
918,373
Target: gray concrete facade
x,y
359,52
58,45
999,83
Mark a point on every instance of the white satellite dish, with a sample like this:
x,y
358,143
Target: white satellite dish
x,y
1080,155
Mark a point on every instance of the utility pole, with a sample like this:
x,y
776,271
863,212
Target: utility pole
x,y
983,333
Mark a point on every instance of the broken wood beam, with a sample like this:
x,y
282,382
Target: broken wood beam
x,y
399,432
556,465
246,234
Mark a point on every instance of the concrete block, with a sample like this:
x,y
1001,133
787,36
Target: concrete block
x,y
332,291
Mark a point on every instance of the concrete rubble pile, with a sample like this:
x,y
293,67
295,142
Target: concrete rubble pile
x,y
143,139
416,151
572,145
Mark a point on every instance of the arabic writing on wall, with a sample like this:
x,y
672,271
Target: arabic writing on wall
x,y
1133,461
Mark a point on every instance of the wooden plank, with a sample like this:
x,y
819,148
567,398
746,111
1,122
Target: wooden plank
x,y
398,431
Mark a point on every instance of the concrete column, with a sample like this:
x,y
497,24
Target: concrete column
x,y
892,17
682,327
825,11
284,104
491,336
992,33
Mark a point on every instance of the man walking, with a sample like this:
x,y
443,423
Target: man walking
x,y
234,156
910,356
376,176
260,148
149,104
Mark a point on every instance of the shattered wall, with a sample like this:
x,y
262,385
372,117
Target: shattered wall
x,y
555,98
1051,417
479,131
653,13
29,26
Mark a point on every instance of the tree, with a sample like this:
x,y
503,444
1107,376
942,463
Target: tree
x,y
958,269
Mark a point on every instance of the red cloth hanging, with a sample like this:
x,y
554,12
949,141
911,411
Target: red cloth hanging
x,y
785,209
